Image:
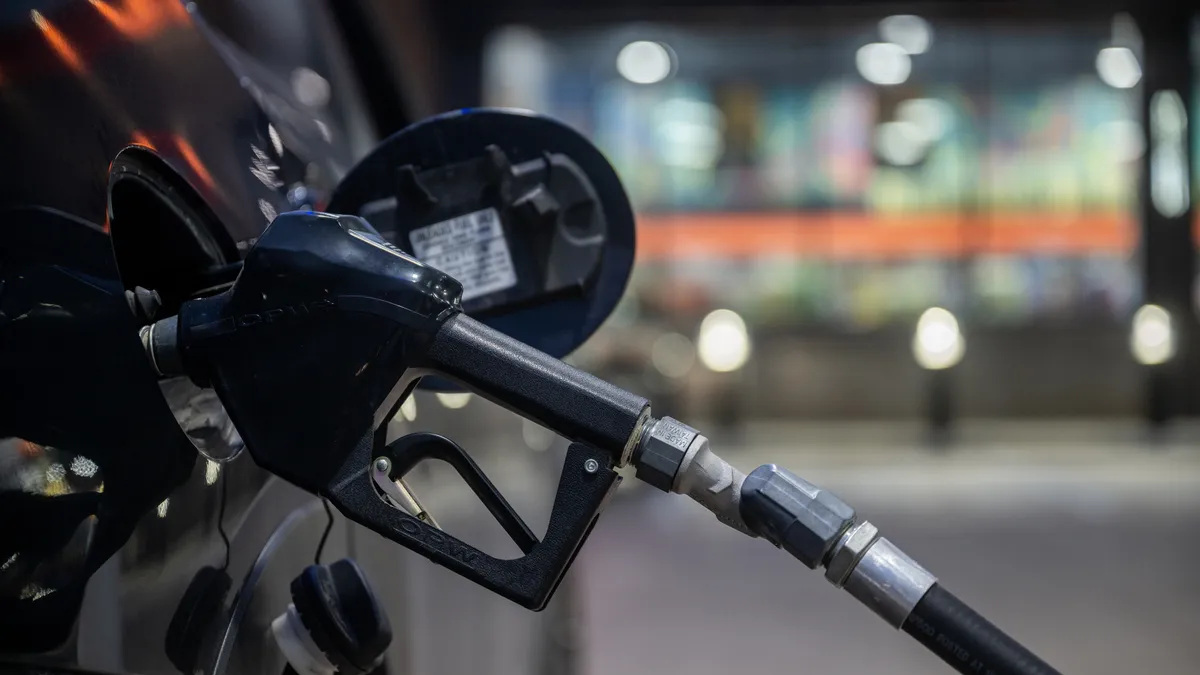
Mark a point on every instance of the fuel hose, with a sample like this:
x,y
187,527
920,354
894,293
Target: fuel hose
x,y
966,641
820,530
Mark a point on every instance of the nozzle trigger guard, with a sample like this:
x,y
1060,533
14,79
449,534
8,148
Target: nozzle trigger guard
x,y
408,451
586,482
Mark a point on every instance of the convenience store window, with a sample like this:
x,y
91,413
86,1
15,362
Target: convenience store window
x,y
851,176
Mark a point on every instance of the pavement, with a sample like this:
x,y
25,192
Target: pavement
x,y
1080,539
1083,547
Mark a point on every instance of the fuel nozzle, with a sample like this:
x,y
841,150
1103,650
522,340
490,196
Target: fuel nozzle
x,y
820,530
325,332
329,323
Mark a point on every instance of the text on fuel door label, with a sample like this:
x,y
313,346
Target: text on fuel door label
x,y
470,248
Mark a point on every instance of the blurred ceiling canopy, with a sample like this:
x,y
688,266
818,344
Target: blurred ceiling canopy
x,y
582,11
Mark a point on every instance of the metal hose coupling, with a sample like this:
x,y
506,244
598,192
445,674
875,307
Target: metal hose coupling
x,y
821,530
674,457
877,573
793,514
809,522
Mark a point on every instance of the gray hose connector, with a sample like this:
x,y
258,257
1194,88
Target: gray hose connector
x,y
714,483
793,514
674,457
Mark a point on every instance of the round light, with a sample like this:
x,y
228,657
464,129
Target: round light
x,y
938,343
1118,67
454,401
690,133
1168,116
724,343
1152,340
1168,182
409,408
883,63
900,143
309,87
1168,154
930,116
644,62
912,33
673,355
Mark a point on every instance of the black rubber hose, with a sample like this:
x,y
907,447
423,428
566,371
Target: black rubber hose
x,y
967,641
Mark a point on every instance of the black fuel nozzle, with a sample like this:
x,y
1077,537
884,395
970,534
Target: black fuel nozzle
x,y
325,332
329,321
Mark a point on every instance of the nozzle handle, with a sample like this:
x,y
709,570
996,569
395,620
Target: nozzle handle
x,y
537,386
584,488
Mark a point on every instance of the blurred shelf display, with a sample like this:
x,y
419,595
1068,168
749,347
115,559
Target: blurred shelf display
x,y
844,179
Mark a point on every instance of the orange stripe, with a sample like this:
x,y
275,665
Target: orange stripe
x,y
140,138
116,18
139,19
58,42
188,153
856,235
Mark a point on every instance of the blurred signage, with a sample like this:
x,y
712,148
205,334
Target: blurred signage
x,y
994,176
867,236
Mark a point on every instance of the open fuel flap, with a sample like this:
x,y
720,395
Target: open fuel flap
x,y
521,209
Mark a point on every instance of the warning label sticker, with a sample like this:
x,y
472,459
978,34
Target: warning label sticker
x,y
470,248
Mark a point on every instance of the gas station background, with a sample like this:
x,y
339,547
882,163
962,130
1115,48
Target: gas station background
x,y
827,181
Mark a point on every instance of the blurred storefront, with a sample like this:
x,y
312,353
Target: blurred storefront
x,y
827,181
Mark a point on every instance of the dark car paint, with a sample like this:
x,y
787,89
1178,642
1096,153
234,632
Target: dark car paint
x,y
79,82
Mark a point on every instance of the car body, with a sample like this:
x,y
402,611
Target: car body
x,y
148,145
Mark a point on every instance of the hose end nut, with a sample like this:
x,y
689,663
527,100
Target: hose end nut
x,y
849,551
793,514
661,451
